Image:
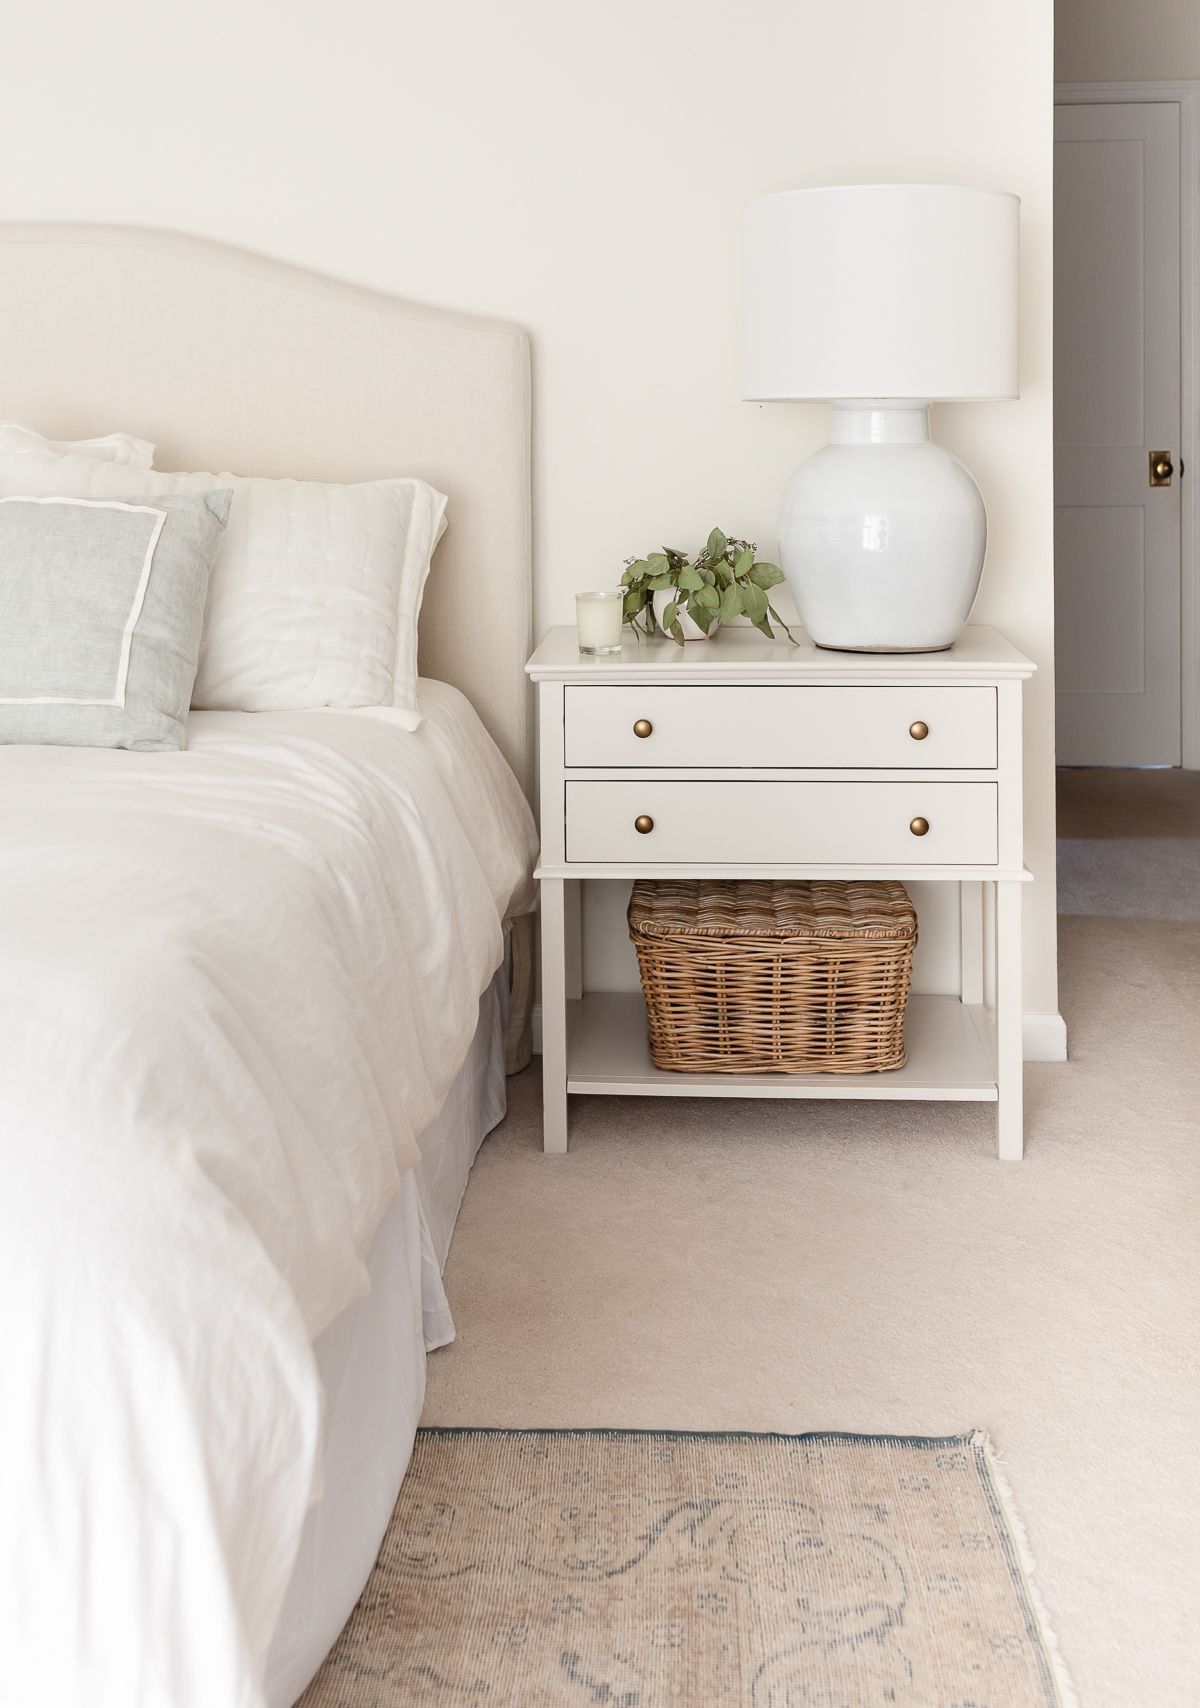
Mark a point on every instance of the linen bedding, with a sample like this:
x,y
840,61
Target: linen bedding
x,y
235,984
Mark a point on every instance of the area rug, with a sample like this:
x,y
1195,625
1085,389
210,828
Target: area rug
x,y
627,1569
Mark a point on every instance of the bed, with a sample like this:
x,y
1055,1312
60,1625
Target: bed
x,y
253,1006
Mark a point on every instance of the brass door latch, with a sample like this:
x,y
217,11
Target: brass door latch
x,y
1161,468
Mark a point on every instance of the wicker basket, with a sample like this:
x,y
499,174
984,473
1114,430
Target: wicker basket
x,y
773,977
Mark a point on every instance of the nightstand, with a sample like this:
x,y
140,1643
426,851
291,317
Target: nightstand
x,y
738,757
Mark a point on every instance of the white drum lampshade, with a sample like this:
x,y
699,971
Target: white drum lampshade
x,y
882,298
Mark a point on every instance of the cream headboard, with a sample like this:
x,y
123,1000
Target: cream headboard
x,y
230,361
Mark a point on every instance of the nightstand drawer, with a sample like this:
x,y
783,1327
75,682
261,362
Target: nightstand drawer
x,y
799,728
784,823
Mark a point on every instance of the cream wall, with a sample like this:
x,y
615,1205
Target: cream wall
x,y
1114,41
582,170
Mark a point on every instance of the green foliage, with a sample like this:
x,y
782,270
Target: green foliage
x,y
721,582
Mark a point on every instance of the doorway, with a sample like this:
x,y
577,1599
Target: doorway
x,y
1128,693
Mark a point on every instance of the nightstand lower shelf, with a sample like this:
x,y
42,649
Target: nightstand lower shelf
x,y
950,1058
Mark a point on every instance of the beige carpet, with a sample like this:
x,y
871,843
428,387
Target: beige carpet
x,y
871,1267
542,1569
1129,849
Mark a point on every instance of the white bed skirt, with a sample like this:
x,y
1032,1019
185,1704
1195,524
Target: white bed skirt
x,y
372,1364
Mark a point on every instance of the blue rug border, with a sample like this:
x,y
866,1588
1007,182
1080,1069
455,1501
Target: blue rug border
x,y
969,1439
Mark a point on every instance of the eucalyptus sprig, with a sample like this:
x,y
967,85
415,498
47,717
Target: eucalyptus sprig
x,y
722,582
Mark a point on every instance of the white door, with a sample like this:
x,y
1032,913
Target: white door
x,y
1116,406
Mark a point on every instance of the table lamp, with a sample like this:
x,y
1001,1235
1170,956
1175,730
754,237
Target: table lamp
x,y
882,298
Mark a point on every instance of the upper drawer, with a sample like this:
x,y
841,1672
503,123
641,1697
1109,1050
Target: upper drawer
x,y
794,727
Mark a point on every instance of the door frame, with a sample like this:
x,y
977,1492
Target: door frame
x,y
1187,97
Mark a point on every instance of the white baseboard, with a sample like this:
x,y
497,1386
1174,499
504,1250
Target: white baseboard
x,y
1044,1035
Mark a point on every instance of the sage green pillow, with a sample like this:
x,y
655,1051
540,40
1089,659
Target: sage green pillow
x,y
101,610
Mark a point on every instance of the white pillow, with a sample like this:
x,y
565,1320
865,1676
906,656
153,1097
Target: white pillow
x,y
316,589
120,448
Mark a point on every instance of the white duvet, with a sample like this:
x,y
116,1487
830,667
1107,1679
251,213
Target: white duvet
x,y
235,984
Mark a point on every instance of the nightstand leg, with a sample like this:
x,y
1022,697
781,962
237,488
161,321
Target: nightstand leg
x,y
971,942
554,1016
1009,1040
573,938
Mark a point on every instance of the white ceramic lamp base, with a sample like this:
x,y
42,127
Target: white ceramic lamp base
x,y
882,534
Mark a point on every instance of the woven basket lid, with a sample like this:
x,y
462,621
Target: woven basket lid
x,y
818,910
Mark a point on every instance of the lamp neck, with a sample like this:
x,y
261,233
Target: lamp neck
x,y
880,421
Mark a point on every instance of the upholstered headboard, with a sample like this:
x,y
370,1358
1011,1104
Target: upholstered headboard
x,y
230,361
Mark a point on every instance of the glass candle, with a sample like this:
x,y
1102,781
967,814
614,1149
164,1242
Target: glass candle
x,y
598,620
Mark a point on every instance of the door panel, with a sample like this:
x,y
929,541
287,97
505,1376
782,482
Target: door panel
x,y
1105,655
1117,398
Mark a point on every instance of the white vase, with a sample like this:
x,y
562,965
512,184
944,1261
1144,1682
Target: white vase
x,y
882,534
691,630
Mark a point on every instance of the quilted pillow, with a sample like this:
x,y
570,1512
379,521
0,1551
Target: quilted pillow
x,y
111,448
316,589
101,608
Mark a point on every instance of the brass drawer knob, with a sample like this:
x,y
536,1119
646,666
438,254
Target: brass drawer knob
x,y
643,727
643,824
918,731
919,827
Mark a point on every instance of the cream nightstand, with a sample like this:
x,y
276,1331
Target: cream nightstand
x,y
736,757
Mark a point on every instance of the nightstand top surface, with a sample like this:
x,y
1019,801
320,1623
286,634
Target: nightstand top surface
x,y
741,653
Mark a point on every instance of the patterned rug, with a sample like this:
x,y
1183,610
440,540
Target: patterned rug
x,y
624,1569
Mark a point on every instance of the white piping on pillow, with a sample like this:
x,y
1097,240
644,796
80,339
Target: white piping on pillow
x,y
117,697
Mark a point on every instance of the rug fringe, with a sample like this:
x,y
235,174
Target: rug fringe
x,y
1062,1680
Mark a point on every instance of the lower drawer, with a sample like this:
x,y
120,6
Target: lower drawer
x,y
784,823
